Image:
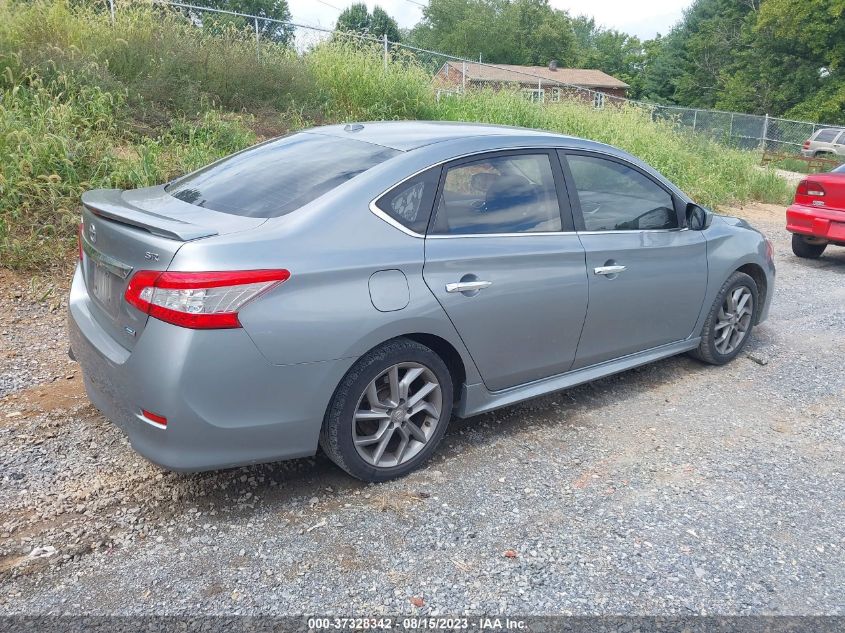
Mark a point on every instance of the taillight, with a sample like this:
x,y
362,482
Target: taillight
x,y
809,189
770,250
806,145
79,230
208,300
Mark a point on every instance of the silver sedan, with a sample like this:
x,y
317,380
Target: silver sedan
x,y
354,287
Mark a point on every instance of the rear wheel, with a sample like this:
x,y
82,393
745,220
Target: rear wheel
x,y
729,321
811,249
389,412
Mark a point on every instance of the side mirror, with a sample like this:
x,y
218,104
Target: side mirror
x,y
698,218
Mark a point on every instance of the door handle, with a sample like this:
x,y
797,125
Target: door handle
x,y
467,286
608,270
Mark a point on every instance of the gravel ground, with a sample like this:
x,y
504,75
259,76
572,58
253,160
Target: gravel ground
x,y
676,488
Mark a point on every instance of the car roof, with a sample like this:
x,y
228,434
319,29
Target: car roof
x,y
409,135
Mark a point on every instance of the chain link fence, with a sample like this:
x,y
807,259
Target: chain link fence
x,y
452,76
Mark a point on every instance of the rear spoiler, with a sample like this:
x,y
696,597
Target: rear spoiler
x,y
109,203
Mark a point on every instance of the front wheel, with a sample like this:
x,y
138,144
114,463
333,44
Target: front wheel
x,y
389,412
729,322
808,250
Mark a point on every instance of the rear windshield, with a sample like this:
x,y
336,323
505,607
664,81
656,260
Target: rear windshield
x,y
839,170
278,177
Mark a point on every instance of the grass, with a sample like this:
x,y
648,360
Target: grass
x,y
84,104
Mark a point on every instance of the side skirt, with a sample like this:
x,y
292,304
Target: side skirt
x,y
478,399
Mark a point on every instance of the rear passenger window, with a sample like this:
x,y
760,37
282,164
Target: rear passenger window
x,y
615,197
410,202
826,136
503,194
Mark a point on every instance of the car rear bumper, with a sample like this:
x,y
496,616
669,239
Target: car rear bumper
x,y
225,404
828,224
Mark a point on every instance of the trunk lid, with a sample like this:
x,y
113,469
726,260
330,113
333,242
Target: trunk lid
x,y
834,186
127,231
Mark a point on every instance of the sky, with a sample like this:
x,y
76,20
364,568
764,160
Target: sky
x,y
643,19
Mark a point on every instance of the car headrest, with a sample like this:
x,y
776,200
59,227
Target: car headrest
x,y
482,181
508,191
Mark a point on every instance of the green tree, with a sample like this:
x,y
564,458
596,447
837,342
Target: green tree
x,y
273,9
611,51
382,24
357,19
688,66
354,18
794,62
781,57
528,32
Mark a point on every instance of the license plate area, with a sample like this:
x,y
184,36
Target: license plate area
x,y
103,286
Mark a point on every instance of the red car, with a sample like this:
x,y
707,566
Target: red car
x,y
816,217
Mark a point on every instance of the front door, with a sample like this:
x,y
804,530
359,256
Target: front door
x,y
647,275
506,267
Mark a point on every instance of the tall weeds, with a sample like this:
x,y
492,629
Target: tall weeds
x,y
84,104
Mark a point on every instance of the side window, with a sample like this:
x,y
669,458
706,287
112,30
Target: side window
x,y
615,197
410,202
826,136
503,194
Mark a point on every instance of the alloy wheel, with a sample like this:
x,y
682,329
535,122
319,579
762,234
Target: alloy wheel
x,y
734,320
397,414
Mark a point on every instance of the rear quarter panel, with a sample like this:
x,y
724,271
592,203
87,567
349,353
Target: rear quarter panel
x,y
325,311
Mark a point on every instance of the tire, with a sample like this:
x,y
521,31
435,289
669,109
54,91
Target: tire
x,y
354,428
802,248
714,349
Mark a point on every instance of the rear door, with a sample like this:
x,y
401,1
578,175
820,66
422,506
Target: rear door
x,y
647,275
503,261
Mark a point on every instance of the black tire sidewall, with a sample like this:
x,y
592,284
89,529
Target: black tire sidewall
x,y
801,248
337,431
708,349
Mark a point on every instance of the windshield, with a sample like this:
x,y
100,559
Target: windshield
x,y
278,177
839,170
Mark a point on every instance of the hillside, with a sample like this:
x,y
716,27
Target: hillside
x,y
84,104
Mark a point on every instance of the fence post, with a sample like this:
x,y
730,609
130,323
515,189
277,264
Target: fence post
x,y
694,119
257,42
731,127
763,141
384,39
111,9
464,78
